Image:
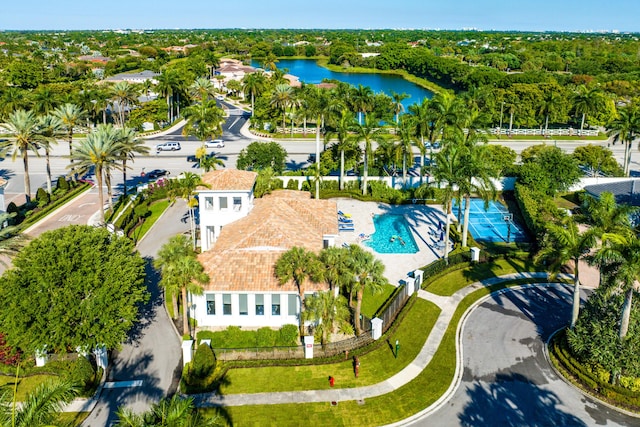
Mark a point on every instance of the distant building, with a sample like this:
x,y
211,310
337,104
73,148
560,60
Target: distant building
x,y
98,59
140,77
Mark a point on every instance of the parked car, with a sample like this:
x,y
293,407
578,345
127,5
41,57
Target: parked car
x,y
168,146
216,143
156,173
219,97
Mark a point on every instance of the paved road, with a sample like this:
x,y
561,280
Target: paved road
x,y
153,354
506,379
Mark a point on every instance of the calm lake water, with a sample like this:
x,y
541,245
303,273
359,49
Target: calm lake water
x,y
308,71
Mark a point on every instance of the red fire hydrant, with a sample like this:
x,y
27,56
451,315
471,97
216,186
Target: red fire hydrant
x,y
332,381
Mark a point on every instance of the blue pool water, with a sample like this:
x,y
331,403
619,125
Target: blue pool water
x,y
490,225
391,232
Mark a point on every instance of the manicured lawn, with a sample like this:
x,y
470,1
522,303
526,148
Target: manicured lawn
x,y
405,401
26,385
155,210
375,367
372,302
450,283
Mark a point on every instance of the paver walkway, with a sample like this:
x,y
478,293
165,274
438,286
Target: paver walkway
x,y
448,306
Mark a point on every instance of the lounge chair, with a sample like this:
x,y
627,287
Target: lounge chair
x,y
345,220
346,215
346,227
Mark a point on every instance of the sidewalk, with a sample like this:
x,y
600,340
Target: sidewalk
x,y
448,306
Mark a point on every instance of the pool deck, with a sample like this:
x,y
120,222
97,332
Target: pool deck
x,y
422,220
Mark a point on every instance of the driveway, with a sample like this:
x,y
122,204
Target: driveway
x,y
148,366
506,379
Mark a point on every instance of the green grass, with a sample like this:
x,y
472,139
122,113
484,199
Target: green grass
x,y
451,282
26,385
155,210
407,400
375,366
372,302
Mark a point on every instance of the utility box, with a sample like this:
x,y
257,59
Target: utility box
x,y
308,347
376,328
475,254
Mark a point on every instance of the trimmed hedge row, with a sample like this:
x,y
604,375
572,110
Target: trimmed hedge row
x,y
235,337
562,359
34,215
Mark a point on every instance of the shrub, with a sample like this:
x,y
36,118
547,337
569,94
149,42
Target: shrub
x,y
277,184
329,185
265,337
288,335
204,361
380,190
42,197
292,184
62,185
306,186
8,355
199,375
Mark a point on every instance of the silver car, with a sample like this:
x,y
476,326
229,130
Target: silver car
x,y
216,143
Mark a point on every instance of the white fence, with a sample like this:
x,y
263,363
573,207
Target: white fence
x,y
549,132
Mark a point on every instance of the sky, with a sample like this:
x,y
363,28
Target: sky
x,y
523,15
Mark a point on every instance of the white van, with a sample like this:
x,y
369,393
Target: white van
x,y
168,146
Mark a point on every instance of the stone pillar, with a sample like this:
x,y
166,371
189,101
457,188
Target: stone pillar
x,y
376,328
308,347
475,254
102,357
419,275
187,351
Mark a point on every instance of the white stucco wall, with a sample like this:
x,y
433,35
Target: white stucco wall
x,y
213,215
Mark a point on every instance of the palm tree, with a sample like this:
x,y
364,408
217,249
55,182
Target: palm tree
x,y
100,150
587,101
346,141
362,99
23,125
43,100
177,247
207,162
281,99
621,255
607,216
71,116
254,84
185,188
13,98
625,128
297,265
269,62
175,412
187,274
326,309
203,121
368,276
446,170
202,90
336,267
130,145
123,94
367,132
50,127
405,134
41,408
169,83
563,242
397,103
422,119
551,103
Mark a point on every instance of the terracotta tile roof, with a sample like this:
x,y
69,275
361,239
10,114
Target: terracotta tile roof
x,y
229,179
244,256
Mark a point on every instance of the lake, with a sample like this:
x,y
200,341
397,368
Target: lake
x,y
308,71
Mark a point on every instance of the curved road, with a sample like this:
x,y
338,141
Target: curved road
x,y
506,379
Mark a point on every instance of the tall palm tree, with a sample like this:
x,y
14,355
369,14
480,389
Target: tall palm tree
x,y
367,132
23,126
297,265
130,145
549,107
607,216
188,275
177,247
335,262
124,94
327,309
207,162
397,103
202,90
422,119
346,142
625,128
185,188
50,127
13,98
169,83
587,101
100,151
41,408
368,276
44,100
254,84
446,171
71,116
269,62
621,255
281,99
563,243
405,135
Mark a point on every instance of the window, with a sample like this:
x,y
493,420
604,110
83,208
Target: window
x,y
275,305
223,203
226,304
208,203
211,304
237,203
244,308
292,304
259,305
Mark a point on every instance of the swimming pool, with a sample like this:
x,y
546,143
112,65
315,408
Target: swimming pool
x,y
392,235
494,224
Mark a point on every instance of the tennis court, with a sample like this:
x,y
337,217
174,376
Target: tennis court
x,y
495,224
